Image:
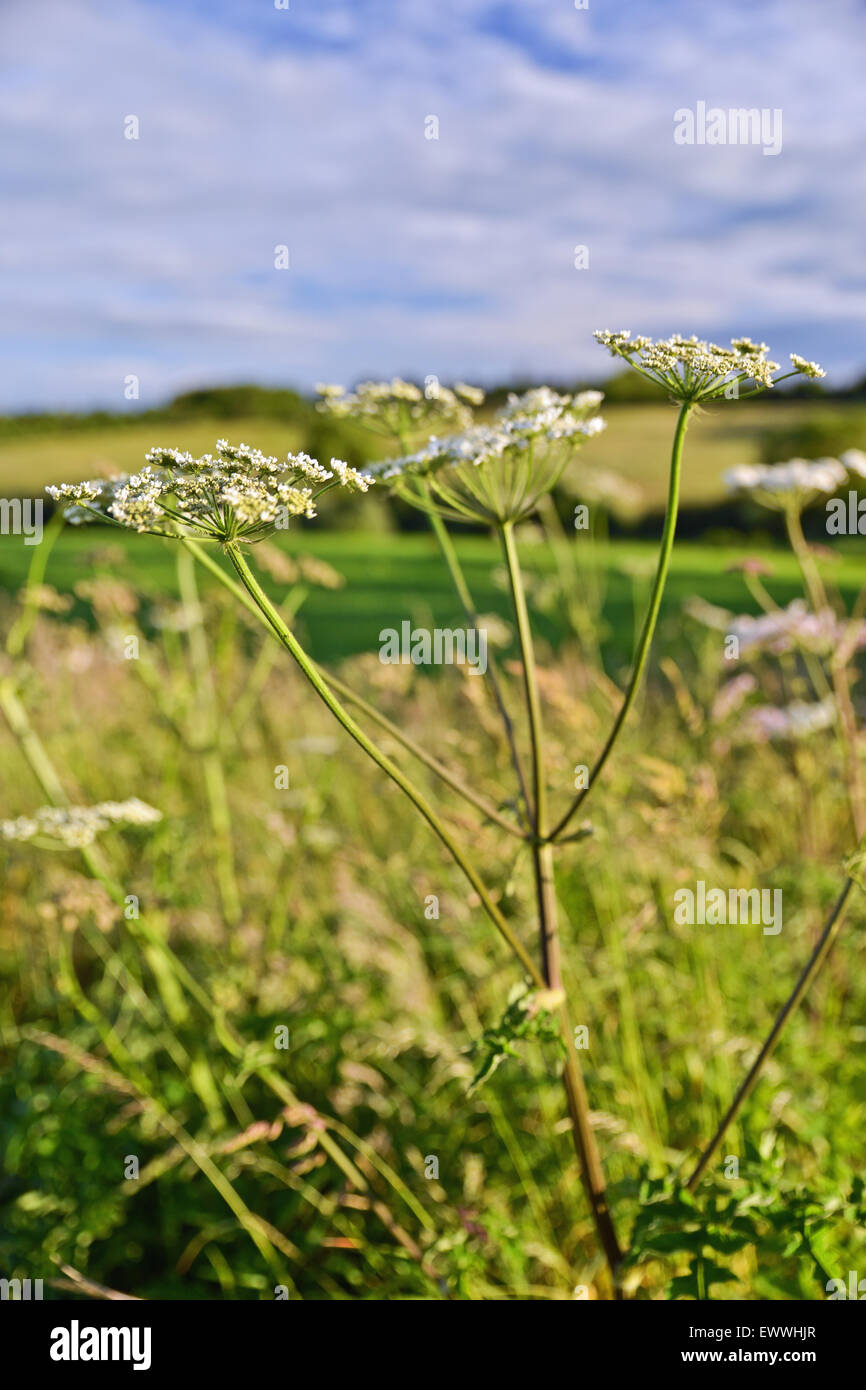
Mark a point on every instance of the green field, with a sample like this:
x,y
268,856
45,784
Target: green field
x,y
389,577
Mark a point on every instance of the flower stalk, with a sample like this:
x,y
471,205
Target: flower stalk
x,y
819,954
542,852
326,694
499,474
650,621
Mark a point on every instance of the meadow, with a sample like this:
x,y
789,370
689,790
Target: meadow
x,y
240,1053
634,446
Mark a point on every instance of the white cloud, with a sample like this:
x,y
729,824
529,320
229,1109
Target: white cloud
x,y
452,256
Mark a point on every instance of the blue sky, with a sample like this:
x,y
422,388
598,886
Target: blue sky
x,y
455,257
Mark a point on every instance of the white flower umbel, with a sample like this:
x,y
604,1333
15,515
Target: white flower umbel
x,y
497,472
75,827
781,486
400,408
236,494
691,369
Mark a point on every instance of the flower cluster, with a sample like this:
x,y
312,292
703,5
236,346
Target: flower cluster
x,y
800,719
75,827
497,472
781,630
239,493
400,408
691,369
782,486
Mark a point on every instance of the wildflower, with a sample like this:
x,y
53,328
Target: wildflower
x,y
798,720
399,408
782,629
787,485
855,461
75,827
691,369
497,472
237,494
810,369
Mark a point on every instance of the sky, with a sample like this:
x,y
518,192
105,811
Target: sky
x,y
307,128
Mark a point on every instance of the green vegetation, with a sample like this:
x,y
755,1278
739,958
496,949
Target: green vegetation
x,y
376,568
271,1043
383,1005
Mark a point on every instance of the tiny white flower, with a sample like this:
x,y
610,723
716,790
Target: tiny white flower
x,y
78,826
855,461
810,369
691,369
400,408
497,471
238,494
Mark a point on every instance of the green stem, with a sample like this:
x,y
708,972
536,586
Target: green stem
x,y
449,554
269,654
326,694
208,744
585,1146
31,747
530,679
651,618
20,629
806,560
346,693
810,970
475,798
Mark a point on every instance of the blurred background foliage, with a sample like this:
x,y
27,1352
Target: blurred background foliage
x,y
304,908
